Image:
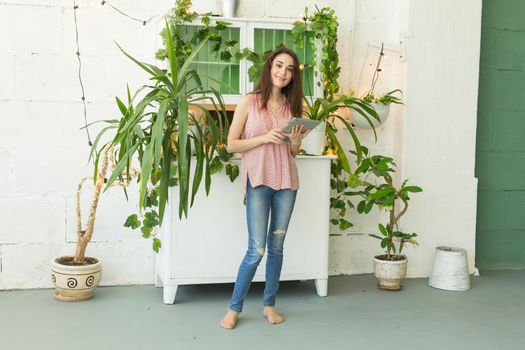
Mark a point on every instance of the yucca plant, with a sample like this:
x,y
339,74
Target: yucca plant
x,y
155,131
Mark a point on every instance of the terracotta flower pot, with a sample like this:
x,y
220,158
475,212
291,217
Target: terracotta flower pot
x,y
75,283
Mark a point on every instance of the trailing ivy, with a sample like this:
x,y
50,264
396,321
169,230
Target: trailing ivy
x,y
340,201
180,17
257,59
323,23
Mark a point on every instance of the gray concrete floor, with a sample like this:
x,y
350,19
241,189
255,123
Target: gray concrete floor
x,y
355,315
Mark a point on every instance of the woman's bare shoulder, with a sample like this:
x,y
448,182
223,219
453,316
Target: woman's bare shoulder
x,y
245,102
246,98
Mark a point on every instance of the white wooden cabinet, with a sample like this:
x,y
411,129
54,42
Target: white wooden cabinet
x,y
209,245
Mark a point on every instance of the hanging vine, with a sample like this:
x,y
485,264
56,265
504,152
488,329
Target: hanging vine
x,y
323,23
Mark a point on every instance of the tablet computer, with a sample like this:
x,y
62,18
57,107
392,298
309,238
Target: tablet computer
x,y
307,124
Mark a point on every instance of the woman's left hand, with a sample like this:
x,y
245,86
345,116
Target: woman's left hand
x,y
297,135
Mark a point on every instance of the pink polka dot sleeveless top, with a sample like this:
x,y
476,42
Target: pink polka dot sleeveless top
x,y
269,164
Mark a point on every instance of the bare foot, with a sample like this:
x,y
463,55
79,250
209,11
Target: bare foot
x,y
272,316
229,321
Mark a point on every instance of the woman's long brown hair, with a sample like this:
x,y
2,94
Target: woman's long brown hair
x,y
293,91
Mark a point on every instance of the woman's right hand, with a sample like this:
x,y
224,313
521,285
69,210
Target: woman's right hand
x,y
274,136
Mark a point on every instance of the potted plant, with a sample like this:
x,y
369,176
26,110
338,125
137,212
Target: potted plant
x,y
165,131
381,104
161,129
76,277
389,267
328,112
323,24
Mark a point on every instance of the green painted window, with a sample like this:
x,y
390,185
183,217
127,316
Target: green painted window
x,y
225,76
270,39
215,73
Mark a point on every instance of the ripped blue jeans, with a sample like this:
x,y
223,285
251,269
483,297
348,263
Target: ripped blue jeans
x,y
263,203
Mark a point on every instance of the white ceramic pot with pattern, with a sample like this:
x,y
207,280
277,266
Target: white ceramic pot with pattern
x,y
75,283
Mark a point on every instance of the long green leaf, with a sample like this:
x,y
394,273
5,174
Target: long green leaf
x,y
210,123
159,124
97,139
413,189
189,60
160,75
340,152
124,161
383,230
140,64
182,156
172,57
220,83
221,113
199,153
138,114
97,160
165,177
122,107
145,170
207,174
357,143
382,193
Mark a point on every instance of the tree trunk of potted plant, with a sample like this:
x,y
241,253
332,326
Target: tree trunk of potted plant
x,y
76,277
390,267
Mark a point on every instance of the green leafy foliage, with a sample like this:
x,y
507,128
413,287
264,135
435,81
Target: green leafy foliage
x,y
341,195
257,60
155,129
232,170
328,111
386,99
382,193
184,46
323,23
156,245
132,221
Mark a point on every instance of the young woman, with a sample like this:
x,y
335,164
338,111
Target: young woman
x,y
269,174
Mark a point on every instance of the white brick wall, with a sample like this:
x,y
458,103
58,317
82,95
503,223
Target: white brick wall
x,y
43,152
